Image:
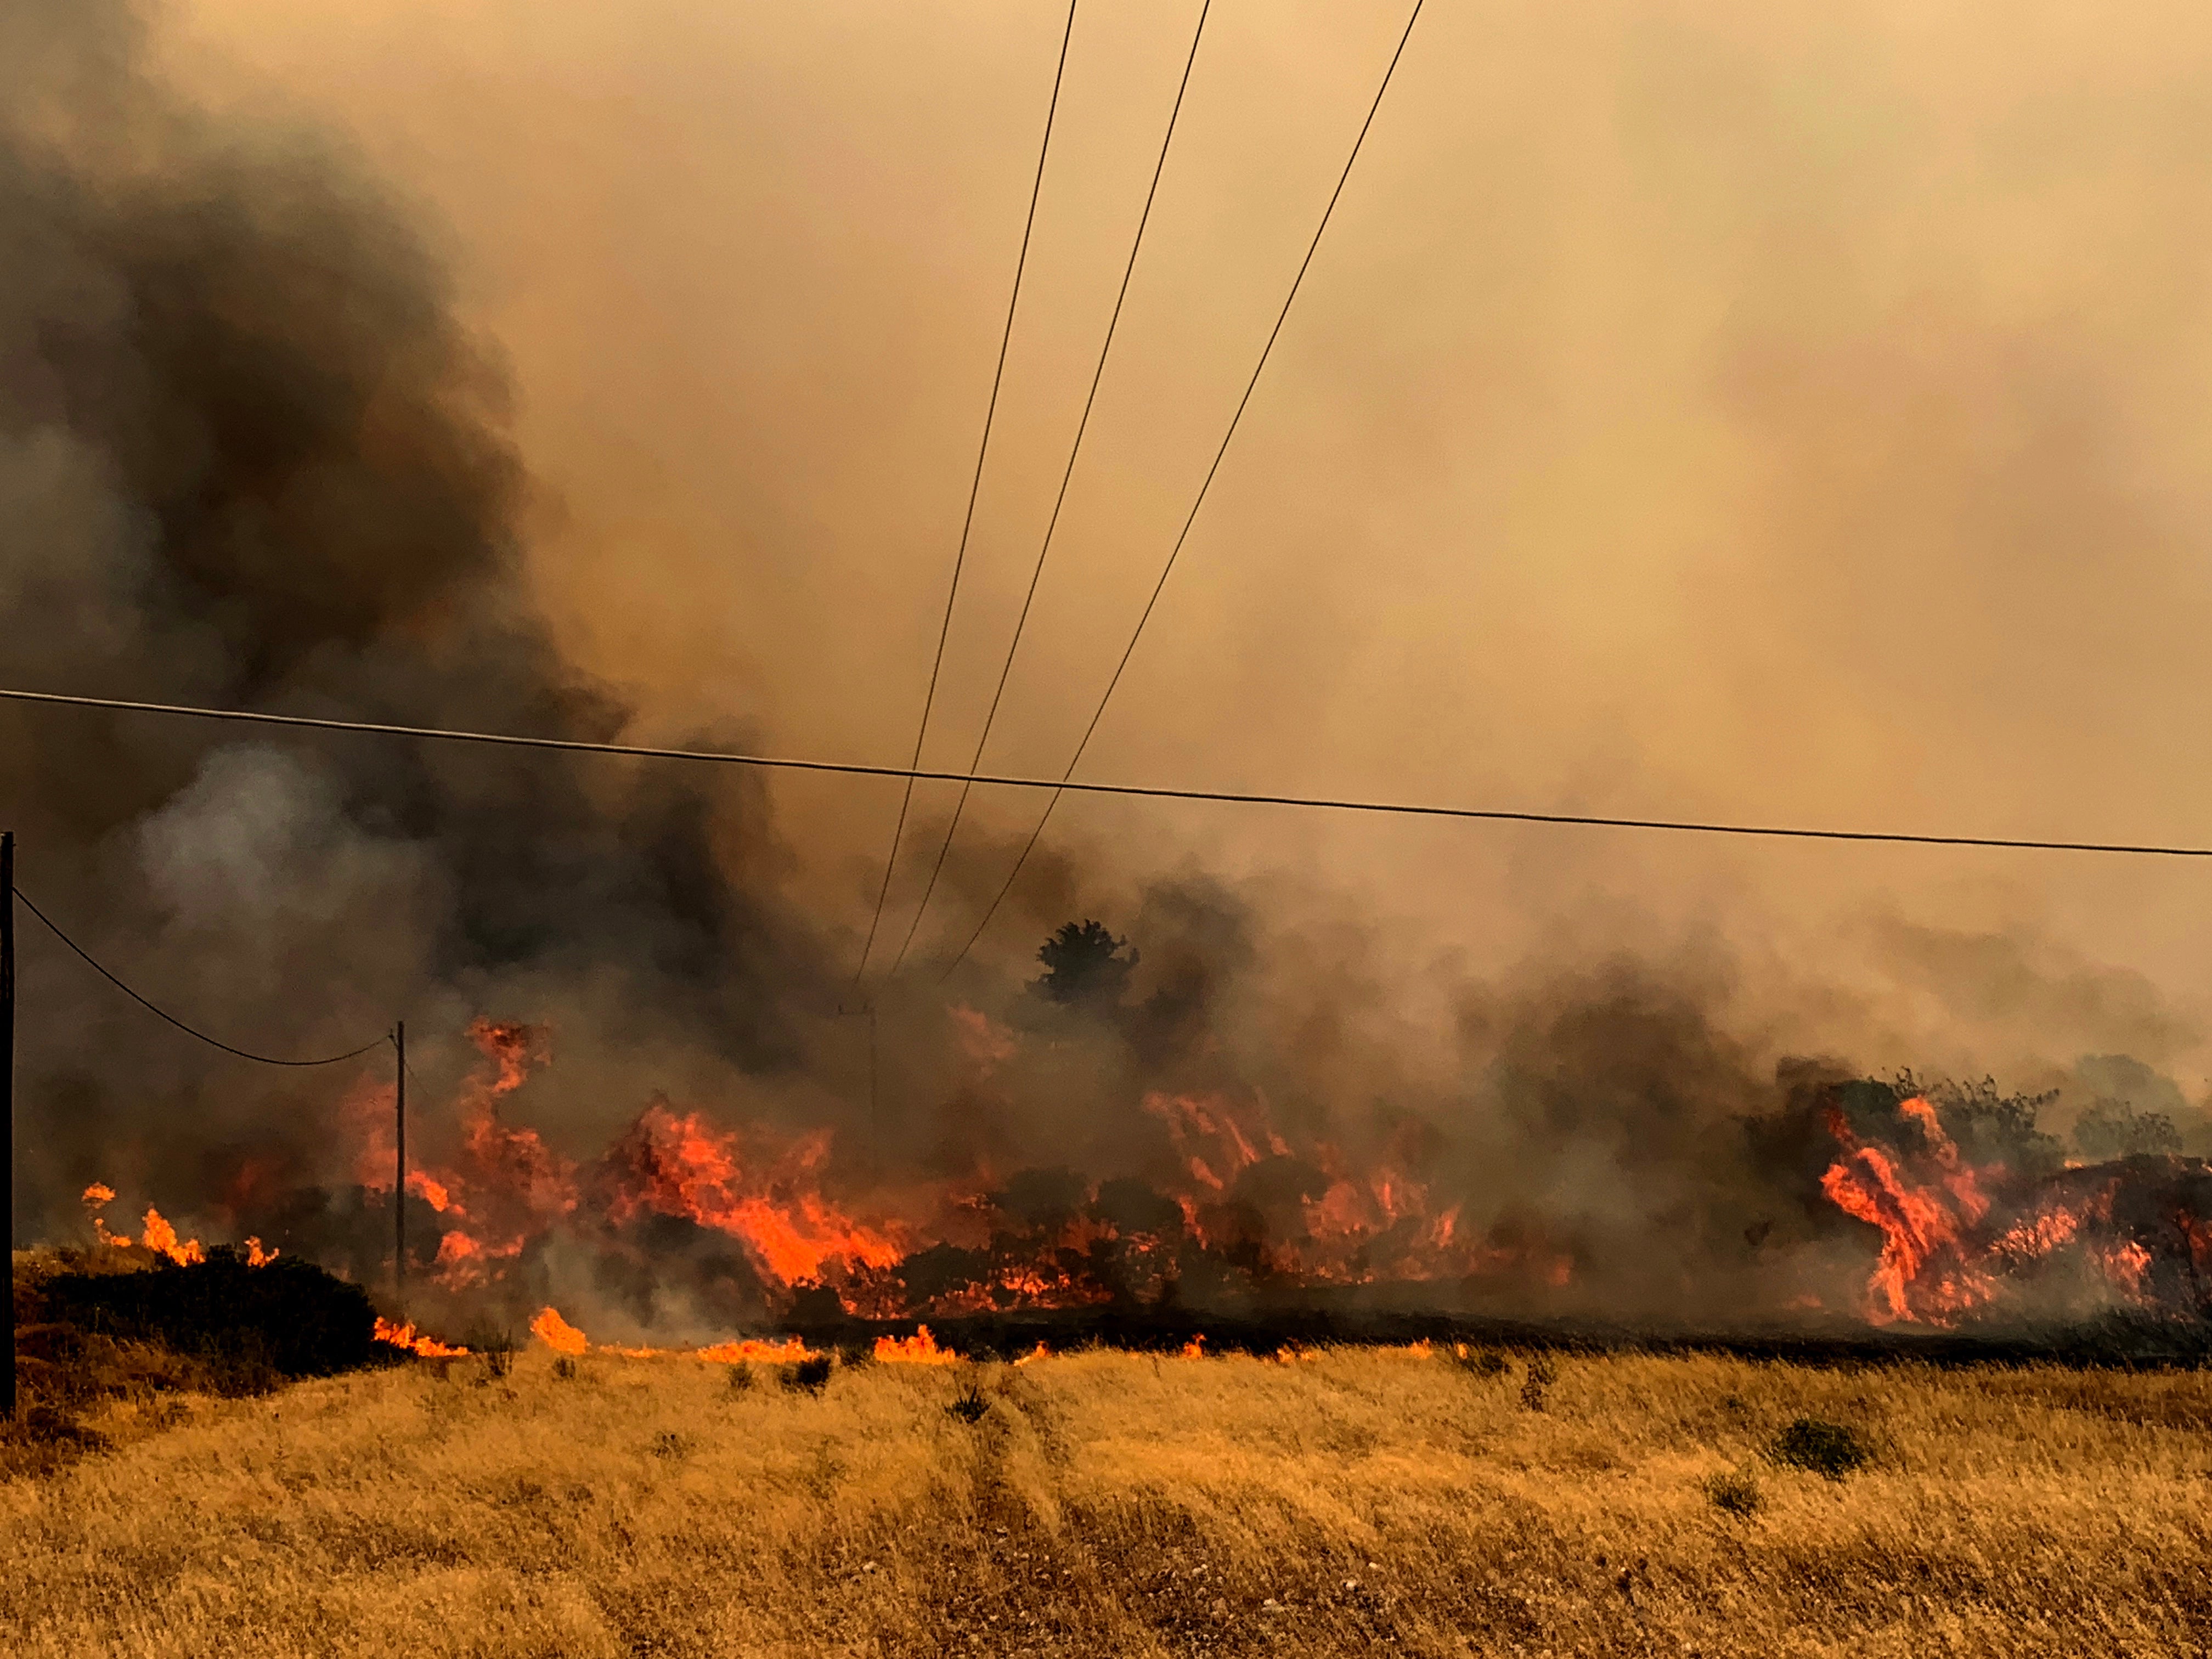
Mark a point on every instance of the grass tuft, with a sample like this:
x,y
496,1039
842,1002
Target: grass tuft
x,y
1736,1493
1485,1363
1831,1450
1541,1376
809,1376
968,1405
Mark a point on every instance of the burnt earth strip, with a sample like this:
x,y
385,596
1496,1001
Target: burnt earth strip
x,y
2147,1341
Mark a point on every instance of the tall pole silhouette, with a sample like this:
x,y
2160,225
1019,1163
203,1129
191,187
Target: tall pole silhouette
x,y
399,1166
8,1108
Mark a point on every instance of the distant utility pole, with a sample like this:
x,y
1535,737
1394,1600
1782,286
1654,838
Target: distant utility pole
x,y
399,1169
8,1104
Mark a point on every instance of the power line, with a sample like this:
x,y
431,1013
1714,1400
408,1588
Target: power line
x,y
1143,791
975,486
1082,426
191,1031
1175,552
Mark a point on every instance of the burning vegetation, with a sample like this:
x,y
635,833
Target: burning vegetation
x,y
278,475
2008,1226
1897,1204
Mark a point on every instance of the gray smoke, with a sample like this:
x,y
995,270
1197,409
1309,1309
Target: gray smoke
x,y
247,459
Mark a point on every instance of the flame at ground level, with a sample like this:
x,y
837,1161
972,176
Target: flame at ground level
x,y
1959,1239
564,1338
557,1333
919,1349
406,1336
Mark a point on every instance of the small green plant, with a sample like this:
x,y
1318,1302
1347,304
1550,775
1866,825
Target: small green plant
x,y
1736,1493
968,1404
741,1378
810,1375
1828,1449
1540,1377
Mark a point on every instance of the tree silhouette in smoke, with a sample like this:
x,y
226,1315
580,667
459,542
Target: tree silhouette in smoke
x,y
1084,966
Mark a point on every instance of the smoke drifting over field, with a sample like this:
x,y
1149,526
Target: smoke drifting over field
x,y
256,452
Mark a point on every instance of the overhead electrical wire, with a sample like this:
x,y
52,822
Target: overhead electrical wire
x,y
1013,646
163,1013
1145,792
975,486
1168,569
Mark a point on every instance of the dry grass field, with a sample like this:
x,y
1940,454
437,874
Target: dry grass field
x,y
1110,1504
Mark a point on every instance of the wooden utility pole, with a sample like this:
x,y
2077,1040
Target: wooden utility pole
x,y
8,1106
399,1169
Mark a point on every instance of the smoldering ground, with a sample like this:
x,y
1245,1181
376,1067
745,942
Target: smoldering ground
x,y
254,457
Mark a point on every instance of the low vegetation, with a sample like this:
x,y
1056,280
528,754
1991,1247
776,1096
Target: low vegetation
x,y
1832,1449
108,1349
1342,1502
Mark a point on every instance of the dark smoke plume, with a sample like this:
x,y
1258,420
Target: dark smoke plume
x,y
248,458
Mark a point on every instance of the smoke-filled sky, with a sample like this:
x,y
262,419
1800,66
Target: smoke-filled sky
x,y
1784,415
1726,412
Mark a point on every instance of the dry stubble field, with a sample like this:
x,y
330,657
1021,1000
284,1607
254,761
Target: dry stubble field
x,y
1115,1503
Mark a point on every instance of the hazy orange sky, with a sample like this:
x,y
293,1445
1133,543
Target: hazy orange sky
x,y
1785,415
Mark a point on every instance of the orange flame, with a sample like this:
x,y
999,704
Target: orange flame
x,y
677,1165
919,1349
1938,1259
161,1239
405,1336
788,1353
557,1333
1196,1348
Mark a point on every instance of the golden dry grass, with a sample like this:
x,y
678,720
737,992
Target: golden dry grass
x,y
1115,1503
